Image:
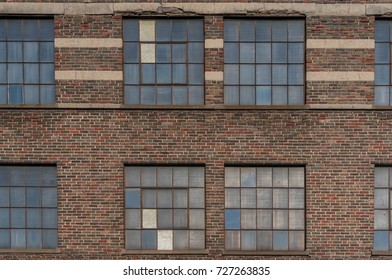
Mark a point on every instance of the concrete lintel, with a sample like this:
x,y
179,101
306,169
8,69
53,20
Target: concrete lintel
x,y
88,106
87,43
89,75
341,106
213,43
88,8
378,9
199,8
340,9
135,7
339,44
214,76
32,8
340,76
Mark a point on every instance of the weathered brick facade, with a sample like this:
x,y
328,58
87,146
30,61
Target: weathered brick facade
x,y
338,135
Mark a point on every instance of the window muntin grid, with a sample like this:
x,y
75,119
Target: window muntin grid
x,y
164,208
264,62
28,207
264,208
27,61
164,61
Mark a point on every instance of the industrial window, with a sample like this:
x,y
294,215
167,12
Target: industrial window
x,y
164,208
383,208
383,83
264,62
27,61
264,208
164,61
28,207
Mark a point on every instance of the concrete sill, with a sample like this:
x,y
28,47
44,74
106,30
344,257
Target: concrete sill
x,y
264,253
30,251
381,253
164,252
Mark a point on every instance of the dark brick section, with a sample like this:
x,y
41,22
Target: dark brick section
x,y
213,27
213,93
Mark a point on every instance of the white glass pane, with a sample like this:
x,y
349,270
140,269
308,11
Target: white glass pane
x,y
147,30
381,198
381,177
147,53
149,218
165,240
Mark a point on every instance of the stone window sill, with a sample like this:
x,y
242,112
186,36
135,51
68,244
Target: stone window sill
x,y
164,252
381,253
30,251
264,253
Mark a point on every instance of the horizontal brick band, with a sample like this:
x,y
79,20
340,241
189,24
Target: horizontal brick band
x,y
339,44
340,76
214,76
87,43
341,106
213,43
89,75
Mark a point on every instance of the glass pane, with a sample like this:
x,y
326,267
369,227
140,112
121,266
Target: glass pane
x,y
3,93
132,239
231,52
18,218
15,75
34,218
34,238
381,177
296,74
280,219
147,53
263,95
17,176
247,53
131,73
179,30
131,95
164,74
280,198
4,235
149,198
196,239
263,53
132,198
131,30
264,198
195,53
263,74
381,96
280,177
31,74
180,238
33,197
179,73
196,219
196,74
296,198
248,219
231,74
381,31
49,176
264,219
4,218
165,218
4,197
164,199
381,198
247,74
247,30
180,218
279,31
248,240
49,239
3,31
14,52
46,30
381,240
180,176
196,198
149,218
264,177
4,176
179,53
263,30
247,95
180,96
232,198
264,240
196,177
14,30
382,53
17,197
18,238
297,240
231,30
148,73
381,219
47,73
163,30
31,94
165,177
132,176
232,177
46,51
296,53
296,30
49,218
296,177
297,219
195,30
382,75
3,75
47,94
163,53
132,219
165,240
248,198
131,52
164,95
147,30
279,74
232,240
232,95
296,95
281,240
248,177
148,175
30,52
232,219
180,198
279,53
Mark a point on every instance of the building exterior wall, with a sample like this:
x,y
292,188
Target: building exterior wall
x,y
338,135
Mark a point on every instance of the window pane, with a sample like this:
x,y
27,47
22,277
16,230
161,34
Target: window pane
x,y
3,74
147,53
381,96
296,95
231,52
296,53
196,219
33,197
132,219
248,177
263,30
196,176
296,240
14,30
247,30
280,198
248,198
165,176
163,53
179,53
148,73
17,197
195,30
180,238
46,30
296,74
279,74
18,218
34,238
179,30
164,74
297,219
15,94
49,218
381,31
47,73
231,30
132,198
247,53
247,95
180,218
17,176
47,94
382,74
180,199
131,52
4,218
18,238
131,73
31,94
165,240
196,239
4,197
148,175
232,177
163,30
180,176
196,52
232,240
49,238
279,31
30,52
248,219
280,219
149,218
196,74
15,74
247,74
5,235
280,177
381,219
264,240
232,95
3,93
132,239
296,198
232,219
296,30
179,73
263,74
180,96
196,198
34,217
248,240
232,198
46,52
264,198
14,52
264,177
131,30
231,74
3,29
131,95
164,198
381,240
149,198
382,53
31,74
381,198
381,177
279,53
263,53
165,218
264,219
164,95
280,240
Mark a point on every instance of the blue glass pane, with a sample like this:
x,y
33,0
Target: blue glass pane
x,y
18,218
196,95
34,238
131,30
163,53
5,242
279,95
3,73
46,52
164,95
17,176
382,53
4,197
131,73
382,74
33,198
263,95
49,218
248,240
381,31
263,30
31,73
263,74
15,52
18,197
3,95
15,73
148,73
296,74
49,239
381,96
195,30
3,52
3,29
232,95
231,74
195,52
18,238
279,74
131,52
263,53
147,95
179,53
49,197
247,53
46,30
296,95
279,31
30,52
231,30
34,218
296,30
149,240
279,53
247,74
247,95
14,30
163,30
132,198
296,53
231,52
196,74
179,73
247,30
163,73
47,95
180,95
179,30
381,240
47,73
232,219
31,94
4,176
131,95
4,218
30,30
132,240
280,240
